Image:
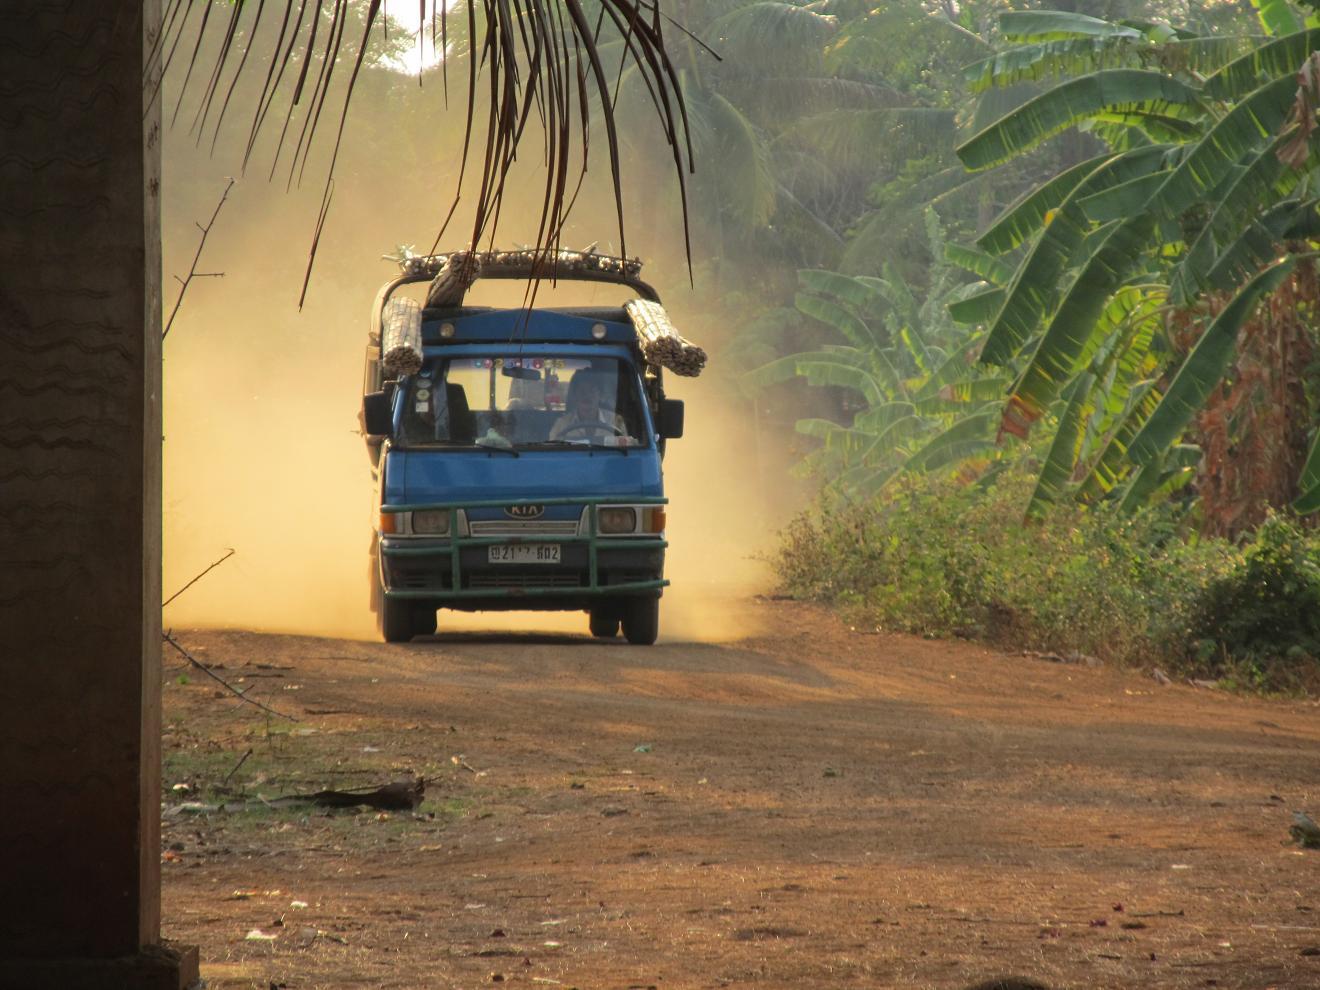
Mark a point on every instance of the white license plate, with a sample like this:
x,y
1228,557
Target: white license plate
x,y
524,553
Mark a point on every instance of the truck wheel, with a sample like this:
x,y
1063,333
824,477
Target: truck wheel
x,y
605,621
641,620
424,621
396,620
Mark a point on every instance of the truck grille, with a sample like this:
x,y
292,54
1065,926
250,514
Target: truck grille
x,y
525,579
520,527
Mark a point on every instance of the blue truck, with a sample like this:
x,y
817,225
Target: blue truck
x,y
517,452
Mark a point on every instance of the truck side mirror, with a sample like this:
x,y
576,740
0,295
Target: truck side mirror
x,y
377,416
669,421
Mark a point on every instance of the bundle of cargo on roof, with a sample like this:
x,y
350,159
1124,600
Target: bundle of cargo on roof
x,y
661,343
525,263
401,336
453,273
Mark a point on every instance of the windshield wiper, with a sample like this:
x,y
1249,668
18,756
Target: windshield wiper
x,y
575,445
485,444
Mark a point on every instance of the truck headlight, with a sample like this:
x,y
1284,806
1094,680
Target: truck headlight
x,y
432,522
616,520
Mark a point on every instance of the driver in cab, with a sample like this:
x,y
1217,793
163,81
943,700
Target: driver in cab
x,y
585,420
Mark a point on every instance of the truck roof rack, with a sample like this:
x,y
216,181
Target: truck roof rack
x,y
525,265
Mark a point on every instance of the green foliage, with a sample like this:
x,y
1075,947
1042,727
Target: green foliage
x,y
1205,191
925,404
935,557
1260,621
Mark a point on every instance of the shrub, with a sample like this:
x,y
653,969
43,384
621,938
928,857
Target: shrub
x,y
1260,622
934,557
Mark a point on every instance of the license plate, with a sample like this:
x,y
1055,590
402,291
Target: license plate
x,y
524,553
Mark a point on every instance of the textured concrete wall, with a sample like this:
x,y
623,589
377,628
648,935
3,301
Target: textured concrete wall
x,y
79,484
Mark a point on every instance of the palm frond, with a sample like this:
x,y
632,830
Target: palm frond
x,y
535,56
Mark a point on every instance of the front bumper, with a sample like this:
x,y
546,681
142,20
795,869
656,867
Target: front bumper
x,y
455,570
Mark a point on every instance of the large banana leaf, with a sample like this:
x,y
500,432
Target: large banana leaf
x,y
854,329
1116,90
1122,200
1052,483
1112,463
971,434
830,370
980,306
1075,56
979,263
1259,243
1277,16
954,369
1204,367
1072,328
1309,482
1036,286
855,292
1023,219
1263,181
784,368
877,419
1158,127
1067,56
1280,57
1053,25
1250,124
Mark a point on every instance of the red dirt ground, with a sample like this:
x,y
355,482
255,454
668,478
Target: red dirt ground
x,y
813,808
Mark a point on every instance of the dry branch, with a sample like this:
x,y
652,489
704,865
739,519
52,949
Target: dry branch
x,y
192,270
169,638
229,553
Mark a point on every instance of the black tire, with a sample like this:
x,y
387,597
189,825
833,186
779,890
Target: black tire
x,y
424,621
396,619
641,620
605,621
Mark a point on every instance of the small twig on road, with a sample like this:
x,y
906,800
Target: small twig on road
x,y
229,554
242,760
192,271
169,638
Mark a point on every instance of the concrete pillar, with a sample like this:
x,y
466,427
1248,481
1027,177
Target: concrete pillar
x,y
80,502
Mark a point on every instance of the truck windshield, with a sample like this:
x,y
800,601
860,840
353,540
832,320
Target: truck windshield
x,y
519,402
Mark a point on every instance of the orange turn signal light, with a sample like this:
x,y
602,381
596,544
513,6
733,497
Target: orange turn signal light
x,y
389,522
655,522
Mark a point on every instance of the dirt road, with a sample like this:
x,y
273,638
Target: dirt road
x,y
817,807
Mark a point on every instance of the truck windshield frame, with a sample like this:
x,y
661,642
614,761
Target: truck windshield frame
x,y
505,399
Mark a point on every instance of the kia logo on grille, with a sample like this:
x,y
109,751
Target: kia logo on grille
x,y
525,511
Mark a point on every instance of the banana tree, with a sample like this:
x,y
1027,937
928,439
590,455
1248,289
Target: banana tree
x,y
918,399
1203,190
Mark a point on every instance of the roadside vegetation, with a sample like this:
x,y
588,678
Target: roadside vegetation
x,y
1077,413
937,557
